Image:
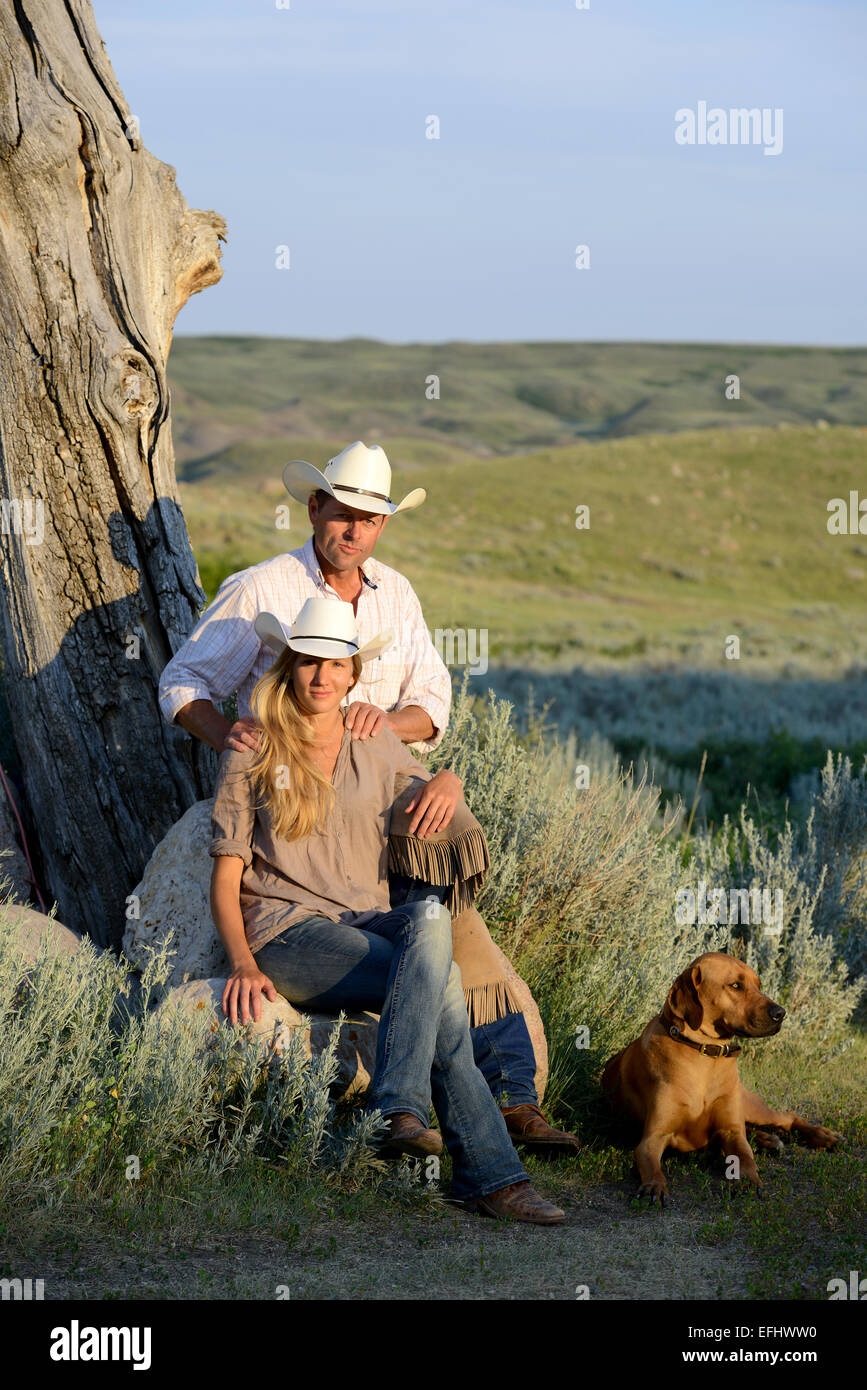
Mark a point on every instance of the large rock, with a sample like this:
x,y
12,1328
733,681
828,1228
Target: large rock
x,y
34,930
174,895
356,1047
275,1026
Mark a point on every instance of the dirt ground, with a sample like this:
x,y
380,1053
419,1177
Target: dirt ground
x,y
264,1234
605,1247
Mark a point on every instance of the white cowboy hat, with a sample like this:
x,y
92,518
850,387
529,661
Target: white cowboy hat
x,y
324,627
357,475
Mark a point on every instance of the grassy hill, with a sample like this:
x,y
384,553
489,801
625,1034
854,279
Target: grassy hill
x,y
241,402
693,536
707,517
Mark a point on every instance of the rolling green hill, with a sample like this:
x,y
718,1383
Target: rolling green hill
x,y
620,629
708,518
692,537
251,403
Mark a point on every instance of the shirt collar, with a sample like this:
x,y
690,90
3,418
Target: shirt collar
x,y
369,574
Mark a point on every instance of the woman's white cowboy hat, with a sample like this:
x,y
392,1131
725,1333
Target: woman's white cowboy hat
x,y
357,475
324,627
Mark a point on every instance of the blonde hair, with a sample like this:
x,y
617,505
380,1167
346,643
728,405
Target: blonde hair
x,y
303,796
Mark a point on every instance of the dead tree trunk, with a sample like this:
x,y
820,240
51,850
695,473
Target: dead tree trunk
x,y
98,252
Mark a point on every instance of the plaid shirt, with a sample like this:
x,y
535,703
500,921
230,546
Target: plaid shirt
x,y
223,653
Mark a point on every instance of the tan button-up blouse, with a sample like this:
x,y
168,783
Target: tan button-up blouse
x,y
339,871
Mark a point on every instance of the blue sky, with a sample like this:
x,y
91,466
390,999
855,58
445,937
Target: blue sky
x,y
306,127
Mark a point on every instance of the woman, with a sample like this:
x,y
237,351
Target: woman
x,y
299,896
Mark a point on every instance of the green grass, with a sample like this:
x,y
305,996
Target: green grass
x,y
760,772
693,537
274,1225
809,1226
304,398
708,520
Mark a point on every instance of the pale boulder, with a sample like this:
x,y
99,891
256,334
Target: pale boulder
x,y
356,1048
34,930
274,1028
174,895
272,1032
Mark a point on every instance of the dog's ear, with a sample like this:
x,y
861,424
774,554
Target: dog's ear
x,y
683,997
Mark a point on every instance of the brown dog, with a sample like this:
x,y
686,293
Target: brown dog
x,y
679,1080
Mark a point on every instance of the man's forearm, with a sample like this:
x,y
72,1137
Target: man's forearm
x,y
202,719
411,724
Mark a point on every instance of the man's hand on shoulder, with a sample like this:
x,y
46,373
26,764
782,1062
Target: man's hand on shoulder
x,y
243,734
363,721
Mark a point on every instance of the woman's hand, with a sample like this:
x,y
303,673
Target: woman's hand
x,y
435,805
245,987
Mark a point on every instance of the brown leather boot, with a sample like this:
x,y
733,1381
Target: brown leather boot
x,y
407,1135
519,1202
527,1125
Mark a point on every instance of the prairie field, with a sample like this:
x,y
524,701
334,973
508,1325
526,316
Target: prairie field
x,y
256,1180
605,648
705,517
621,628
691,537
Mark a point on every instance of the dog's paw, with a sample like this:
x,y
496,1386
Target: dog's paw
x,y
818,1137
763,1140
656,1188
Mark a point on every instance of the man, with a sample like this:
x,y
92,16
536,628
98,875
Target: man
x,y
407,688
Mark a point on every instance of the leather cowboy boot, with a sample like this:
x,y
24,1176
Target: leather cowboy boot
x,y
519,1202
527,1125
407,1135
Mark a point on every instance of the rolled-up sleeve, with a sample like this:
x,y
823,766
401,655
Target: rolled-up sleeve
x,y
426,680
234,814
219,652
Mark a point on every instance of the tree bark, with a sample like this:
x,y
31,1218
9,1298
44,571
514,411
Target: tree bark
x,y
99,253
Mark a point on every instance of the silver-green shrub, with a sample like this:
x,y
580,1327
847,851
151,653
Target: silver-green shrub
x,y
80,1098
584,884
583,896
835,852
797,964
679,708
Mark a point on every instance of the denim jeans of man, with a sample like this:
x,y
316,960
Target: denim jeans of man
x,y
400,966
502,1049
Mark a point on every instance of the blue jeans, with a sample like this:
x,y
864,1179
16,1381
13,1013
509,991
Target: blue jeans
x,y
502,1050
400,966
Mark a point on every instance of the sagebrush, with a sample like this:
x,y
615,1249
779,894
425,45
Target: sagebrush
x,y
582,895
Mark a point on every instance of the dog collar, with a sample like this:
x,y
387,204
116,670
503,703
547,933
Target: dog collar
x,y
707,1049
